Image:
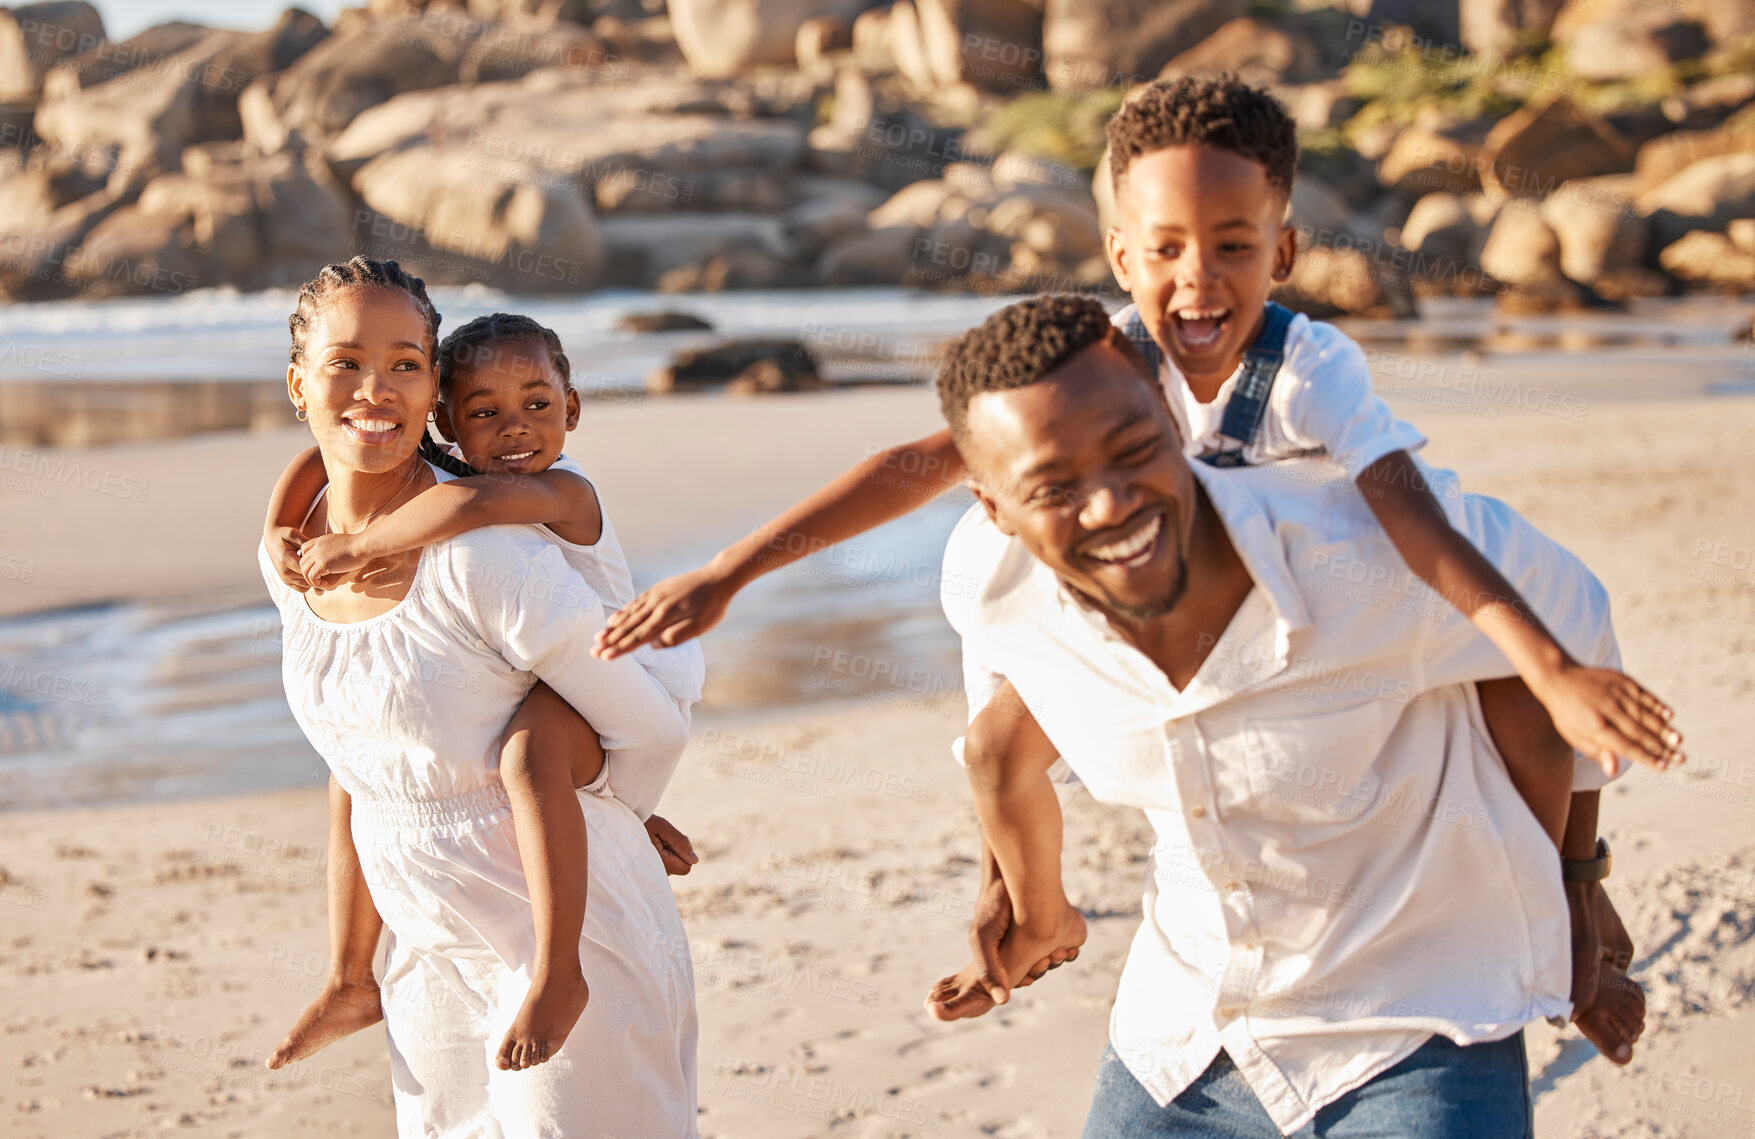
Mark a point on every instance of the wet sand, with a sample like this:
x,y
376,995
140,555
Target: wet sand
x,y
151,956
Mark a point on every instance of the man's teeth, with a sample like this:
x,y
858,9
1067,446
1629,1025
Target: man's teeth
x,y
373,425
1129,548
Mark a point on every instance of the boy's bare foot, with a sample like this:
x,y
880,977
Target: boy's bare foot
x,y
551,1009
984,982
339,1010
1608,1005
673,846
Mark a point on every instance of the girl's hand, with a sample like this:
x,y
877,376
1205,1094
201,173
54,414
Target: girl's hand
x,y
1603,713
283,550
328,560
675,610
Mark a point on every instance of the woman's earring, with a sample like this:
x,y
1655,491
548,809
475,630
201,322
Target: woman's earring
x,y
299,413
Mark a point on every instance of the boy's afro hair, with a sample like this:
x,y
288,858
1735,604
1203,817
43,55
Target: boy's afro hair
x,y
1223,112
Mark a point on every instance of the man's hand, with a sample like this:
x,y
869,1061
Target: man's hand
x,y
673,846
328,560
675,610
283,551
975,989
1603,713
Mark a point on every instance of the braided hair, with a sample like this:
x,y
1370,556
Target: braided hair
x,y
363,272
474,343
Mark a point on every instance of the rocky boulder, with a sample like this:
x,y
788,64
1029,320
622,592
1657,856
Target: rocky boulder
x,y
1500,27
1259,52
1703,258
1546,142
743,366
1328,282
352,71
1598,225
1521,250
1670,153
1422,161
995,45
722,39
1706,195
870,256
1614,49
1092,44
35,37
225,217
462,216
1442,228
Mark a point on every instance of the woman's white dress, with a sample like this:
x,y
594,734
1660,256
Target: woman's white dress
x,y
406,708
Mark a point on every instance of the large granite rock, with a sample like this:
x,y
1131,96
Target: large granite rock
x,y
1598,225
1670,153
1328,281
1706,195
1441,227
995,45
460,216
1522,250
1614,49
1499,27
1092,44
350,72
1422,161
35,37
1703,258
227,217
1531,151
1259,52
721,39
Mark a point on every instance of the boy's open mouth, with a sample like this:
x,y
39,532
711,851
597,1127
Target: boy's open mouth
x,y
1199,329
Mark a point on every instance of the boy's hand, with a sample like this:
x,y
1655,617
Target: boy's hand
x,y
328,560
283,550
1604,713
675,610
674,847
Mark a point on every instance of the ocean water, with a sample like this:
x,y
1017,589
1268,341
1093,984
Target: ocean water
x,y
175,699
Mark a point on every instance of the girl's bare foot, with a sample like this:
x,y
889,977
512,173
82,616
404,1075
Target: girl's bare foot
x,y
339,1010
551,1009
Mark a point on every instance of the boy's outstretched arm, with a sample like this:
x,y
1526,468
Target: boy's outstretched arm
x,y
1601,712
455,507
887,485
293,495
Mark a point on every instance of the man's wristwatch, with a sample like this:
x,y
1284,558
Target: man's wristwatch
x,y
1587,870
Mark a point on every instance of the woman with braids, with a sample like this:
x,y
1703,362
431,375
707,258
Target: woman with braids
x,y
415,675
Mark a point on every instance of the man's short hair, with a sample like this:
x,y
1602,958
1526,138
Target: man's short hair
x,y
1223,112
1020,344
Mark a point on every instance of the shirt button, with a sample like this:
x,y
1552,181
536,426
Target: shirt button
x,y
1228,1013
481,644
1232,887
1198,812
1250,947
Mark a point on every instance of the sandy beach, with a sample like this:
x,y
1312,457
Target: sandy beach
x,y
151,955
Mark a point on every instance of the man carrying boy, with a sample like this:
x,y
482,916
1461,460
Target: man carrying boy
x,y
1352,912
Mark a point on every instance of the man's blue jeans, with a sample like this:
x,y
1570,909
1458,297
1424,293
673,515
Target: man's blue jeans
x,y
1442,1091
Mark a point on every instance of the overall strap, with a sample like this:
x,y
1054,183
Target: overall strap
x,y
1249,400
1134,329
